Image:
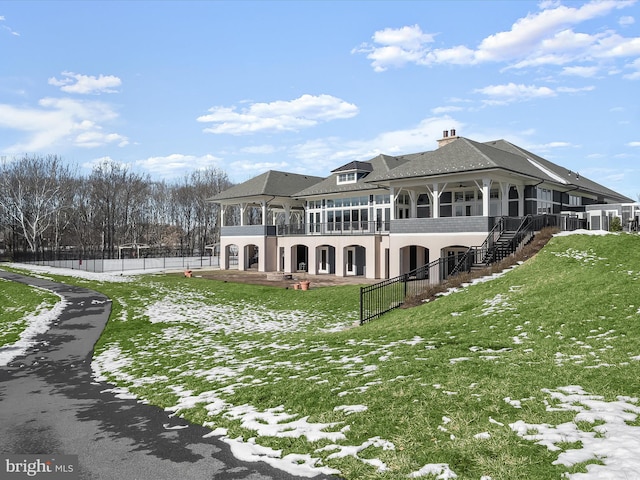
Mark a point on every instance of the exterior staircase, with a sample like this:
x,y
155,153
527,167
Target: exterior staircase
x,y
506,237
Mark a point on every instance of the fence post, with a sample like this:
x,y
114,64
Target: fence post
x,y
406,284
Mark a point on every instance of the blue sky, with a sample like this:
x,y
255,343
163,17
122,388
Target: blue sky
x,y
168,87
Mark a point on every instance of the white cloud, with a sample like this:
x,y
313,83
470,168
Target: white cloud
x,y
303,112
58,122
100,161
635,65
259,149
579,71
512,92
542,38
85,84
588,88
445,109
176,164
327,153
633,144
95,138
245,169
547,146
397,47
7,28
626,21
408,38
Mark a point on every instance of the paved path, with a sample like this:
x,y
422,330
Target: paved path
x,y
49,404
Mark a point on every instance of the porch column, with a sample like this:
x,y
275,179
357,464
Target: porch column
x,y
287,214
392,195
370,255
413,208
312,264
264,213
222,259
288,259
504,196
486,191
242,261
395,260
340,266
520,189
435,194
223,208
243,212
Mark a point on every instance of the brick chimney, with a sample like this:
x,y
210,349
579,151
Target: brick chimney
x,y
447,137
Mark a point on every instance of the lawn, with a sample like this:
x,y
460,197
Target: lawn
x,y
26,311
534,374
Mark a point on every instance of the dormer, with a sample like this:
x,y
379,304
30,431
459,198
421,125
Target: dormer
x,y
352,172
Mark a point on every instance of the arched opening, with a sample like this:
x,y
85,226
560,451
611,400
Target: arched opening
x,y
412,257
231,255
251,257
355,257
326,258
300,258
452,254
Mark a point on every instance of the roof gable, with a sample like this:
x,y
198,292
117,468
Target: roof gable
x,y
355,166
271,183
377,165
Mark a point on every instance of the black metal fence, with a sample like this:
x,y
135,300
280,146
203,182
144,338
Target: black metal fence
x,y
361,227
507,235
380,298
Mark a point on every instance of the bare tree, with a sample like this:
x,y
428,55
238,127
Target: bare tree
x,y
205,184
119,197
33,190
44,206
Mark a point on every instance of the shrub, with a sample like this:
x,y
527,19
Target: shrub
x,y
615,225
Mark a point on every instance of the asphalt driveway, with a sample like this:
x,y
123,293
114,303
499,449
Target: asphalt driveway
x,y
50,404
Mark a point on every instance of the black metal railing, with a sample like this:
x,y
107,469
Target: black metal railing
x,y
506,237
380,298
335,228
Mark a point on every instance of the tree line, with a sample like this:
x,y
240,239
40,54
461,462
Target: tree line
x,y
45,207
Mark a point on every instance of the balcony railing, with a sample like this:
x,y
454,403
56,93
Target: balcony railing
x,y
476,224
335,228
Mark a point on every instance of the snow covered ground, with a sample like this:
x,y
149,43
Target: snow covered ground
x,y
612,442
36,323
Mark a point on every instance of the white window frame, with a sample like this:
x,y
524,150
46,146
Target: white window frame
x,y
347,177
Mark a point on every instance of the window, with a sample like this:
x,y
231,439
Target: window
x,y
465,203
349,177
545,200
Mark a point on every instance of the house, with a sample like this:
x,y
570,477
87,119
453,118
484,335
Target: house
x,y
386,216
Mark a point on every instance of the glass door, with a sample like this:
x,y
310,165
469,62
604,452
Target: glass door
x,y
351,260
324,260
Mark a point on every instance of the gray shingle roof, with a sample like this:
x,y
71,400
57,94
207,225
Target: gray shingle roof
x,y
271,183
459,156
379,165
572,178
356,165
464,155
